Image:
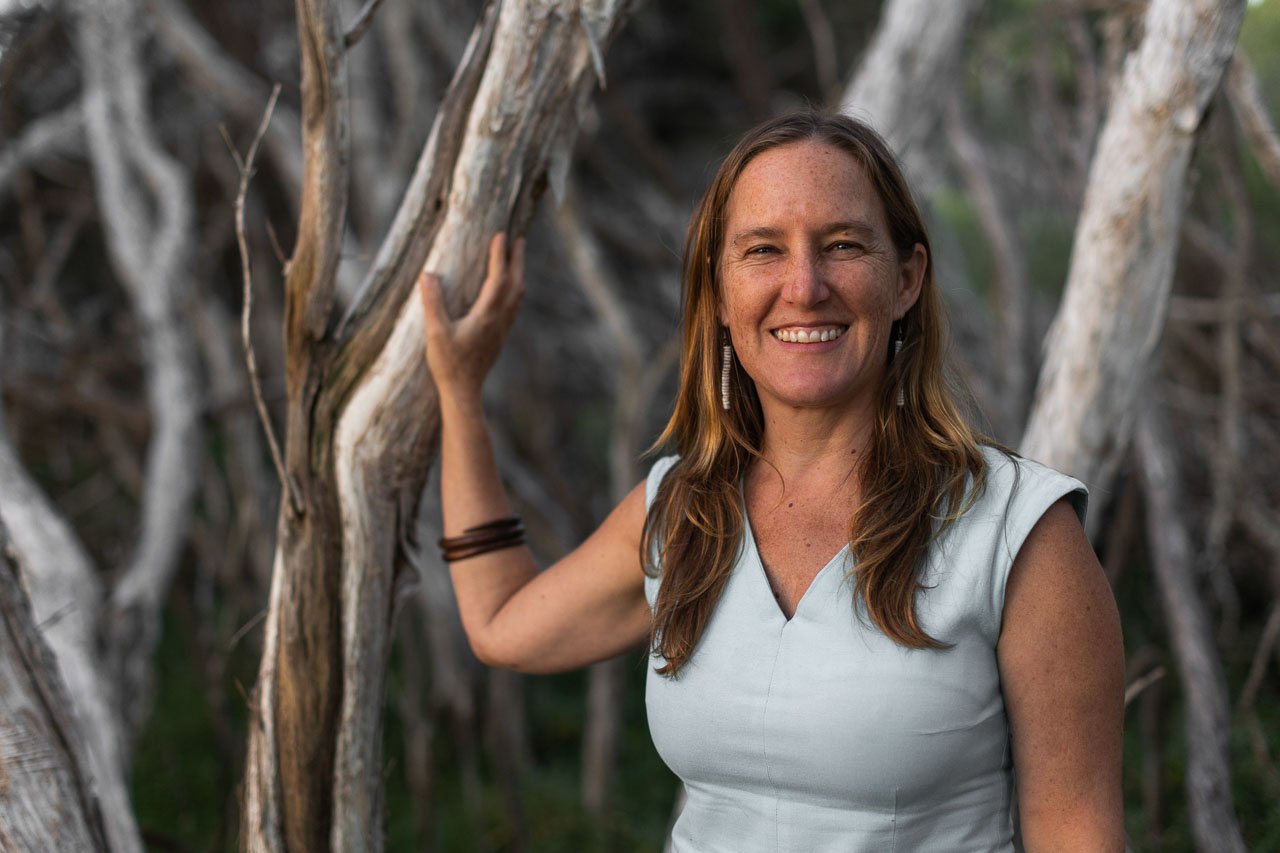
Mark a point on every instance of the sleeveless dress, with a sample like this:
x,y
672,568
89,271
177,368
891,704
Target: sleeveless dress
x,y
819,733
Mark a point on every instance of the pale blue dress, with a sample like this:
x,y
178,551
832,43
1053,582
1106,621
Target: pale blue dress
x,y
819,733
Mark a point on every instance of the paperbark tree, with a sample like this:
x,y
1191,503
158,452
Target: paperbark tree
x,y
47,799
903,79
66,597
1117,290
1208,719
360,417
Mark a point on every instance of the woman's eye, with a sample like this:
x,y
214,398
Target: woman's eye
x,y
845,246
761,250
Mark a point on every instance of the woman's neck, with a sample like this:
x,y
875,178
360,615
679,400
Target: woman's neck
x,y
815,448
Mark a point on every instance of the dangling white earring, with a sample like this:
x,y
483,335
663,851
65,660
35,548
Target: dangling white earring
x,y
726,362
898,335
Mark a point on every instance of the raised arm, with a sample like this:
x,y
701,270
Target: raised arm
x,y
1062,672
587,607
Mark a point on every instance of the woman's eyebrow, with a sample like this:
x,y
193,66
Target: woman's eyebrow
x,y
764,232
859,227
854,226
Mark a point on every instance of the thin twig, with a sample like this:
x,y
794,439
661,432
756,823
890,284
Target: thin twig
x,y
361,24
275,247
246,172
245,629
1258,667
1138,685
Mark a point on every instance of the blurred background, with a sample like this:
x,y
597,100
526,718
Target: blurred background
x,y
487,760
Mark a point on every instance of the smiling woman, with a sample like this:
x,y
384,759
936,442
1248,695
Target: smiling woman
x,y
810,277
863,621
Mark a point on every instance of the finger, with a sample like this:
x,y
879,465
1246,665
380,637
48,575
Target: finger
x,y
515,285
434,313
495,279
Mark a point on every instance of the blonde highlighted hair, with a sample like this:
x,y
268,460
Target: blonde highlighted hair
x,y
923,466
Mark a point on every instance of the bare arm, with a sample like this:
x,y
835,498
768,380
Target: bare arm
x,y
588,606
1061,661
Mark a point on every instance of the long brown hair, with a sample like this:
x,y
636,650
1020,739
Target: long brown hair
x,y
923,466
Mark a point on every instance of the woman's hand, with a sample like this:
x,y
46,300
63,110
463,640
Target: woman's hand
x,y
461,352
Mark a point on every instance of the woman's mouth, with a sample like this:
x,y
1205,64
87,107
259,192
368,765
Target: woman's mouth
x,y
796,335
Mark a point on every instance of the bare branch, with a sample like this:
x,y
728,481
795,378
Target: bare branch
x,y
60,132
1251,112
1258,666
1135,688
1008,297
905,69
361,24
236,89
1113,310
1207,721
148,214
245,166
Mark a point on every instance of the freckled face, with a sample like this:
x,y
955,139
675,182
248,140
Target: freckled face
x,y
810,280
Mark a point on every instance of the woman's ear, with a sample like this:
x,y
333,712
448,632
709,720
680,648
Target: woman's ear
x,y
910,280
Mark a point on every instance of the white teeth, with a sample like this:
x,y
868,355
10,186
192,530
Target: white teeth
x,y
802,336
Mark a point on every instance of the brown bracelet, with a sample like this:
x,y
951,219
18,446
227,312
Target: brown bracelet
x,y
481,539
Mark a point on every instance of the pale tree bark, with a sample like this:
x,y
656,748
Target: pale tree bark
x,y
361,420
1126,239
907,71
57,133
1204,688
147,215
47,797
66,598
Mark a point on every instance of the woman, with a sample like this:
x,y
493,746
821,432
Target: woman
x,y
962,636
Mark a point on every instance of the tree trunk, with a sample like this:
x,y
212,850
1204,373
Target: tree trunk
x,y
66,598
1204,687
906,73
361,419
47,797
1118,287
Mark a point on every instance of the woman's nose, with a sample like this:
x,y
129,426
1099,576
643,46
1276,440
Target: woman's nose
x,y
805,285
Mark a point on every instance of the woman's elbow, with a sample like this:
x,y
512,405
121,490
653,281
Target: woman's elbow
x,y
491,650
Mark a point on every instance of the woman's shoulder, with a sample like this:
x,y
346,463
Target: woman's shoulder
x,y
657,472
1017,484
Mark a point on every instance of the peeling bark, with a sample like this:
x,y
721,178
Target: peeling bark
x,y
66,598
360,416
47,797
1122,261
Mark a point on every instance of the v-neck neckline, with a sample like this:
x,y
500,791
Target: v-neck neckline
x,y
763,573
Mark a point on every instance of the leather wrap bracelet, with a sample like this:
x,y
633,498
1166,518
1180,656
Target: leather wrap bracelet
x,y
483,538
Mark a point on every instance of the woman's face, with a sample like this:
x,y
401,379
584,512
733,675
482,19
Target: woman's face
x,y
810,280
